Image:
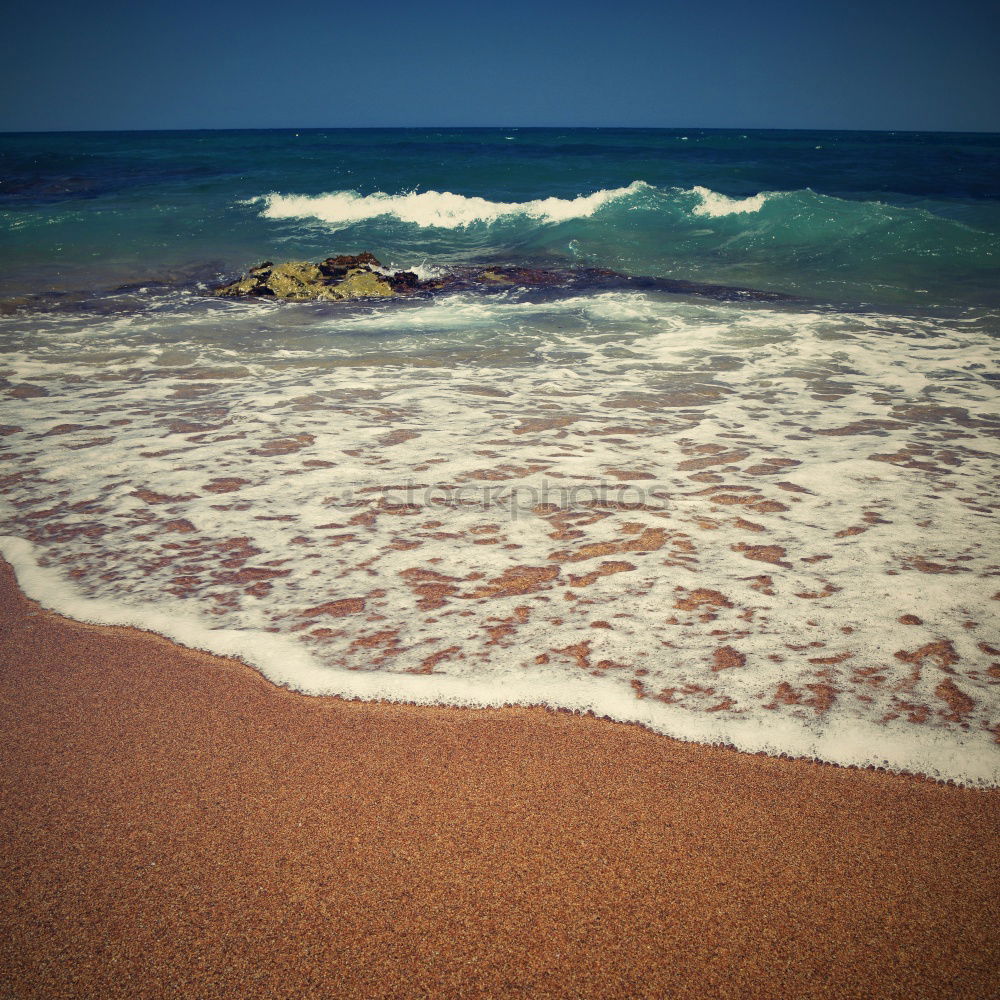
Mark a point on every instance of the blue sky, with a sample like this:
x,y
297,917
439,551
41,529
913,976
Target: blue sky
x,y
774,64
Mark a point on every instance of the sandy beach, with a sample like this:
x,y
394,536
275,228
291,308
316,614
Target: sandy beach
x,y
175,826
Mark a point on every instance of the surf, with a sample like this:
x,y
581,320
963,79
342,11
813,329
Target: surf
x,y
433,209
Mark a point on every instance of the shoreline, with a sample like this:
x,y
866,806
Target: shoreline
x,y
178,826
290,668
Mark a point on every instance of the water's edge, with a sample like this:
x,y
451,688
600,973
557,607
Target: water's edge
x,y
286,664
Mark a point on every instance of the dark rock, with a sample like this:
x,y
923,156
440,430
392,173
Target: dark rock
x,y
337,267
355,277
528,277
405,281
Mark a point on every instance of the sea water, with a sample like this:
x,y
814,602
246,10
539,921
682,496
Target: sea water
x,y
771,524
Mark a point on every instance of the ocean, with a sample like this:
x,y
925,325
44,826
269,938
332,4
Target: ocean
x,y
769,522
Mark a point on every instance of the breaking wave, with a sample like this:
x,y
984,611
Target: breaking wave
x,y
447,210
438,209
715,205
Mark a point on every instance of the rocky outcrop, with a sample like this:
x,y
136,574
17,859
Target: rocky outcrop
x,y
361,276
333,279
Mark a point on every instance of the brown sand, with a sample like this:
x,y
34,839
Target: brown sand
x,y
174,826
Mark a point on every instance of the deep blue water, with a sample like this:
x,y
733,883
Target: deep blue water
x,y
904,220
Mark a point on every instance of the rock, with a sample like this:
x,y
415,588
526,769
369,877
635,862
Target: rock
x,y
359,284
527,277
405,281
359,276
334,279
294,280
10,306
337,267
493,277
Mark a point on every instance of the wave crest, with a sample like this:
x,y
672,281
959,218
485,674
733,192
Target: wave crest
x,y
437,209
714,204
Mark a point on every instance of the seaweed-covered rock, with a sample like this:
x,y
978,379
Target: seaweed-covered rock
x,y
295,279
359,283
334,279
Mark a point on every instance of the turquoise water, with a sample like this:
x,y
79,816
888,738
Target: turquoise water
x,y
901,219
768,523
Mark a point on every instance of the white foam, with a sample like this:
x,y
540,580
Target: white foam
x,y
288,663
423,270
629,381
438,209
714,205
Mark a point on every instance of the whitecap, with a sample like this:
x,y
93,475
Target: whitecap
x,y
714,204
439,209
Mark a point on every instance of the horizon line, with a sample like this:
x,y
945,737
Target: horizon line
x,y
636,128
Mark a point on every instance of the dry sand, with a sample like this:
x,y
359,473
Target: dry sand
x,y
175,826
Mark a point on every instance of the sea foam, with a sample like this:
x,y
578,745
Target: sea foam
x,y
285,662
385,496
437,209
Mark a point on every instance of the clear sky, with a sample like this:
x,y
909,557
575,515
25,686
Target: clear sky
x,y
150,64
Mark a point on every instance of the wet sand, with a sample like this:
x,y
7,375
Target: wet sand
x,y
175,826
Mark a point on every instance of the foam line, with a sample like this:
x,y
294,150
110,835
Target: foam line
x,y
966,760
